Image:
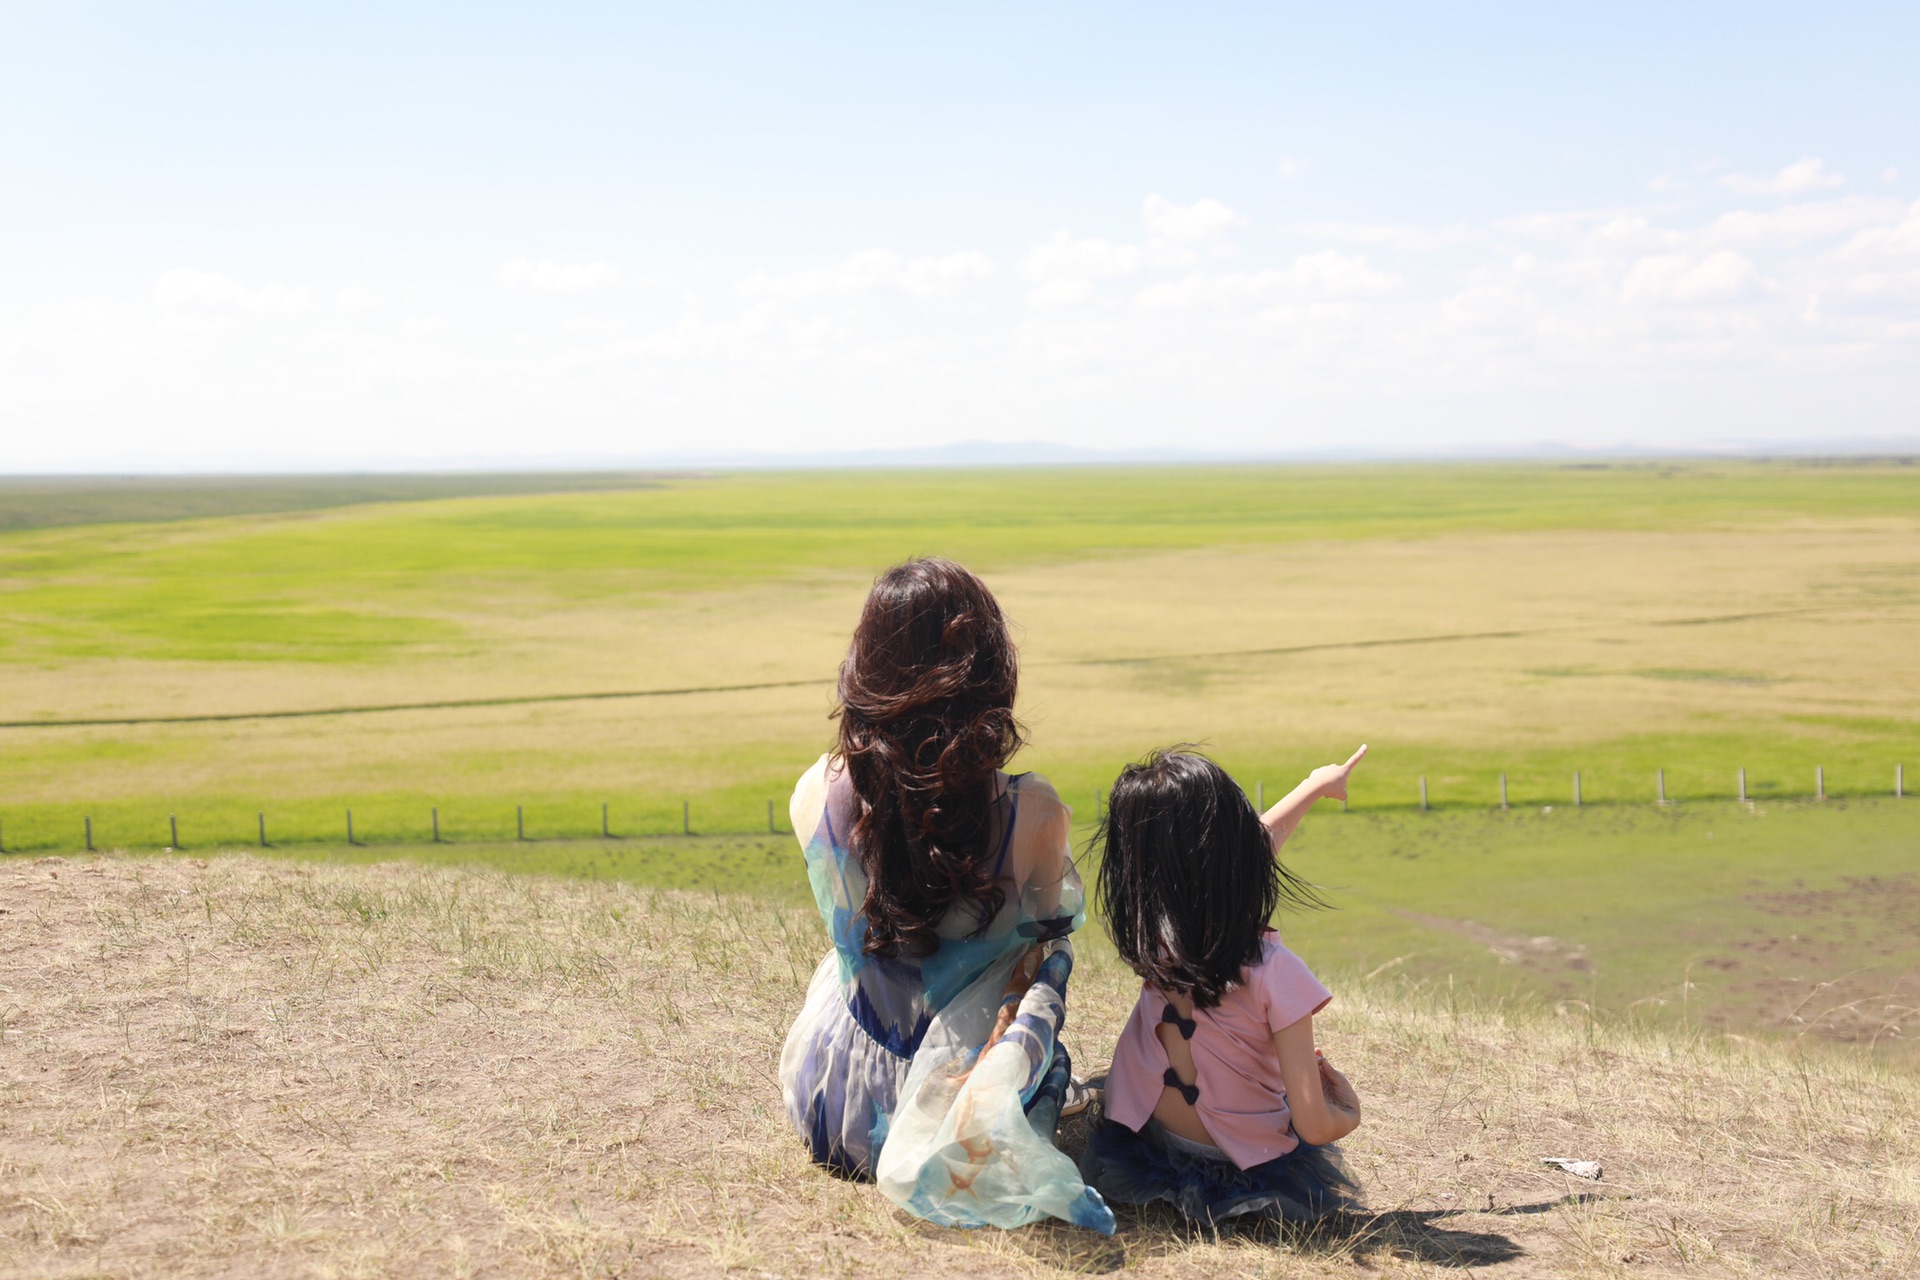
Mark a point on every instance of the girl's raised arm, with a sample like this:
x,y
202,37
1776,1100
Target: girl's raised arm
x,y
1329,782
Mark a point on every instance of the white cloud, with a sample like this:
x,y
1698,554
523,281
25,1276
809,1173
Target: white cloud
x,y
183,290
1396,236
1561,226
939,277
1289,167
356,299
1064,256
1897,238
1065,267
1798,178
875,271
1199,223
1064,291
557,277
1662,314
1315,277
1889,174
1719,277
1793,225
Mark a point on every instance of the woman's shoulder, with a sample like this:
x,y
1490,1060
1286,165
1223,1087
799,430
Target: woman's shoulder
x,y
1037,794
810,793
1041,838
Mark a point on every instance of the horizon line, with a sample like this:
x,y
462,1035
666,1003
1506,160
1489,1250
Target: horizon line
x,y
978,453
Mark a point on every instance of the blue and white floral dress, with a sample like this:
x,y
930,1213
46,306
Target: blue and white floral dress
x,y
883,1073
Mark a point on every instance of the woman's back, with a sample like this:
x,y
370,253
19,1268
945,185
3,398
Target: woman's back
x,y
947,888
893,997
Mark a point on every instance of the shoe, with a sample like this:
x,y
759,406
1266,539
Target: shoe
x,y
1081,1094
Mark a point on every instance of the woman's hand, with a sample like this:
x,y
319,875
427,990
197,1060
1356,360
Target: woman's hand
x,y
1330,780
1017,983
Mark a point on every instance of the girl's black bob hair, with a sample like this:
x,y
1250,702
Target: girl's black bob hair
x,y
1188,877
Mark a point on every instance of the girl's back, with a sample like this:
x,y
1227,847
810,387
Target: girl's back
x,y
1217,1101
1239,1098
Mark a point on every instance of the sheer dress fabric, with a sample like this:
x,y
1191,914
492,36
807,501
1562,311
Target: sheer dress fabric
x,y
883,1074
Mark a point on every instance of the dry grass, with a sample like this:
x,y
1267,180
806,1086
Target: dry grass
x,y
247,1067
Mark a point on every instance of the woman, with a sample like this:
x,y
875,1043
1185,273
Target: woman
x,y
927,1054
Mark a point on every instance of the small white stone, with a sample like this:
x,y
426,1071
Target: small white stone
x,y
1588,1169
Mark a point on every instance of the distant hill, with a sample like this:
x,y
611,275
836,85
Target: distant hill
x,y
39,502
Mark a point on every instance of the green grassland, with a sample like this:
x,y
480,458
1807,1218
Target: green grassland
x,y
1467,621
1785,918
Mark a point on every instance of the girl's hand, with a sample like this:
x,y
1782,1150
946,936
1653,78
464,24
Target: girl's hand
x,y
1324,1106
1339,1090
1330,780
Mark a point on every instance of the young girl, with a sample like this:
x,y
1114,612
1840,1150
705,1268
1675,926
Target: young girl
x,y
927,1054
1217,1101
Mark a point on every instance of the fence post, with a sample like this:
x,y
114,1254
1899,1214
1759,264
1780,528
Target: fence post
x,y
1260,796
173,830
686,817
350,839
1423,793
1503,791
771,829
89,833
436,824
1576,788
3,842
1819,782
1899,781
1743,784
1660,784
606,832
519,822
263,828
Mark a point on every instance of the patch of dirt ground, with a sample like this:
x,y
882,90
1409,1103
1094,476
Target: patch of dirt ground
x,y
1830,965
244,1067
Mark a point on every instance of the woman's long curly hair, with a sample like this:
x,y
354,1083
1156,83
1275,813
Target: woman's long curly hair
x,y
1189,876
926,718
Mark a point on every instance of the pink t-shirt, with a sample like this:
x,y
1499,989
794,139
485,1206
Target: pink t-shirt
x,y
1243,1101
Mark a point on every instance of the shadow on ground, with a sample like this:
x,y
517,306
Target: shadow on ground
x,y
1408,1235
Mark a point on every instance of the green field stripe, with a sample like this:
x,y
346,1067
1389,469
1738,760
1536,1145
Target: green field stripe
x,y
450,704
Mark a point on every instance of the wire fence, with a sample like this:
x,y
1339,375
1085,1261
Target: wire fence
x,y
1423,798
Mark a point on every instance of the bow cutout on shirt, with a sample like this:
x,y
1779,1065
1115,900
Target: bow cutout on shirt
x,y
1186,1025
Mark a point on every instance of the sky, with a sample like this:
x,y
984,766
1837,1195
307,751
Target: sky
x,y
392,235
